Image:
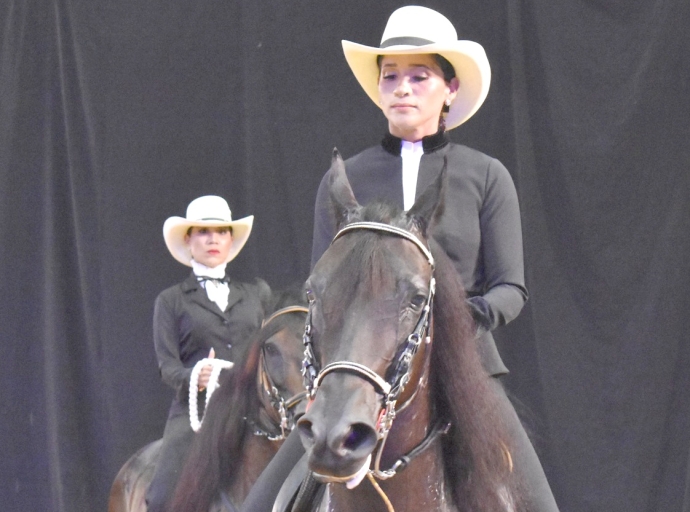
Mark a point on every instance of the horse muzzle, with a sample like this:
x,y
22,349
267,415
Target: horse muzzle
x,y
339,428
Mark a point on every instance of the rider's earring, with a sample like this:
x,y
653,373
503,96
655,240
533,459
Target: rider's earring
x,y
442,118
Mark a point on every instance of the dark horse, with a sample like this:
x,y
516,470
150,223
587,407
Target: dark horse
x,y
247,418
399,399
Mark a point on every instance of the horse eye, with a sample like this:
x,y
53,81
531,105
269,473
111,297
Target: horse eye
x,y
310,296
418,301
270,349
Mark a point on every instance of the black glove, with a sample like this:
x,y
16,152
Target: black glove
x,y
481,313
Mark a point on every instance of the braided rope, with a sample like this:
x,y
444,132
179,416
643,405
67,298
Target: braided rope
x,y
218,365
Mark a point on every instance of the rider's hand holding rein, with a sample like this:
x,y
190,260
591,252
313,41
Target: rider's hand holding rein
x,y
205,372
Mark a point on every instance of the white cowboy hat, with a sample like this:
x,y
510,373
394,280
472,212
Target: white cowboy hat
x,y
210,211
413,30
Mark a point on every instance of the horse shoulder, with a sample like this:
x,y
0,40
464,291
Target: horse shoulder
x,y
128,492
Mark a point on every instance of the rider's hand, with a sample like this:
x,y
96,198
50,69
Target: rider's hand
x,y
205,372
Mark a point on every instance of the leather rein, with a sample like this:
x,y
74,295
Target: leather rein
x,y
392,387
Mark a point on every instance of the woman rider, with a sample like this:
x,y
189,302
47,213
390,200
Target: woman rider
x,y
426,82
206,317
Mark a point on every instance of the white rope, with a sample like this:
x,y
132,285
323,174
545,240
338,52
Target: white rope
x,y
218,365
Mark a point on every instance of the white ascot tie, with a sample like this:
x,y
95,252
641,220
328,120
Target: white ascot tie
x,y
411,153
214,281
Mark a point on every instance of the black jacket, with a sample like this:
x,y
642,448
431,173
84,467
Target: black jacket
x,y
480,228
186,325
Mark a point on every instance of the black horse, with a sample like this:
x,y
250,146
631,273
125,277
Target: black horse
x,y
245,422
400,401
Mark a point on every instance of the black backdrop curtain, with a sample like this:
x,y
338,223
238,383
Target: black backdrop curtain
x,y
114,115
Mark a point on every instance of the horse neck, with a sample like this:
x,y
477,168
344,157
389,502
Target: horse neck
x,y
256,454
420,486
257,450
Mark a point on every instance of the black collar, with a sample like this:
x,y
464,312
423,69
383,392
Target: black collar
x,y
430,143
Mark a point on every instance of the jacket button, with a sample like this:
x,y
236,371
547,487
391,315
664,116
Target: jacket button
x,y
229,345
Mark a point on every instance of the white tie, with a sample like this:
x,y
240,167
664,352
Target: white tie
x,y
411,153
216,292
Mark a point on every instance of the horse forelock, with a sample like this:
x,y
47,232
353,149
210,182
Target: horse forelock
x,y
388,213
366,257
363,268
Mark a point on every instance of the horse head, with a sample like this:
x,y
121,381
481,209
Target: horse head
x,y
367,338
278,379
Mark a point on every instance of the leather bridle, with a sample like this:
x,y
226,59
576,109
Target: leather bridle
x,y
282,406
399,375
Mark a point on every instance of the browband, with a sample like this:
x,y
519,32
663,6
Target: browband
x,y
386,228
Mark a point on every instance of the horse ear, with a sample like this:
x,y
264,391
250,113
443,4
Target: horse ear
x,y
343,200
428,207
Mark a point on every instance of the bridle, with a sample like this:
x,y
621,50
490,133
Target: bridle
x,y
398,375
283,407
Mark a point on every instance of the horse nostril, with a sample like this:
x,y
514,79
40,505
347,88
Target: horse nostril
x,y
305,430
359,434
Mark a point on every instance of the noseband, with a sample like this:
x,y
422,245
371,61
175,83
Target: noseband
x,y
400,370
282,406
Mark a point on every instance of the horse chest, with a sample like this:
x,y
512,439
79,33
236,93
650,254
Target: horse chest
x,y
420,487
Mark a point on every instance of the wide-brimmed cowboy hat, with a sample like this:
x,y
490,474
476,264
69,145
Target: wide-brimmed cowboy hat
x,y
209,211
414,30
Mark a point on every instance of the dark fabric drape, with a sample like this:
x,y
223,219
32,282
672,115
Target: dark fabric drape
x,y
602,138
114,115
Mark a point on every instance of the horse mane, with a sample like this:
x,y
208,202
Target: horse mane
x,y
474,450
215,455
476,447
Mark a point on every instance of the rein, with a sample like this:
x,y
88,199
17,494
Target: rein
x,y
268,387
392,387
